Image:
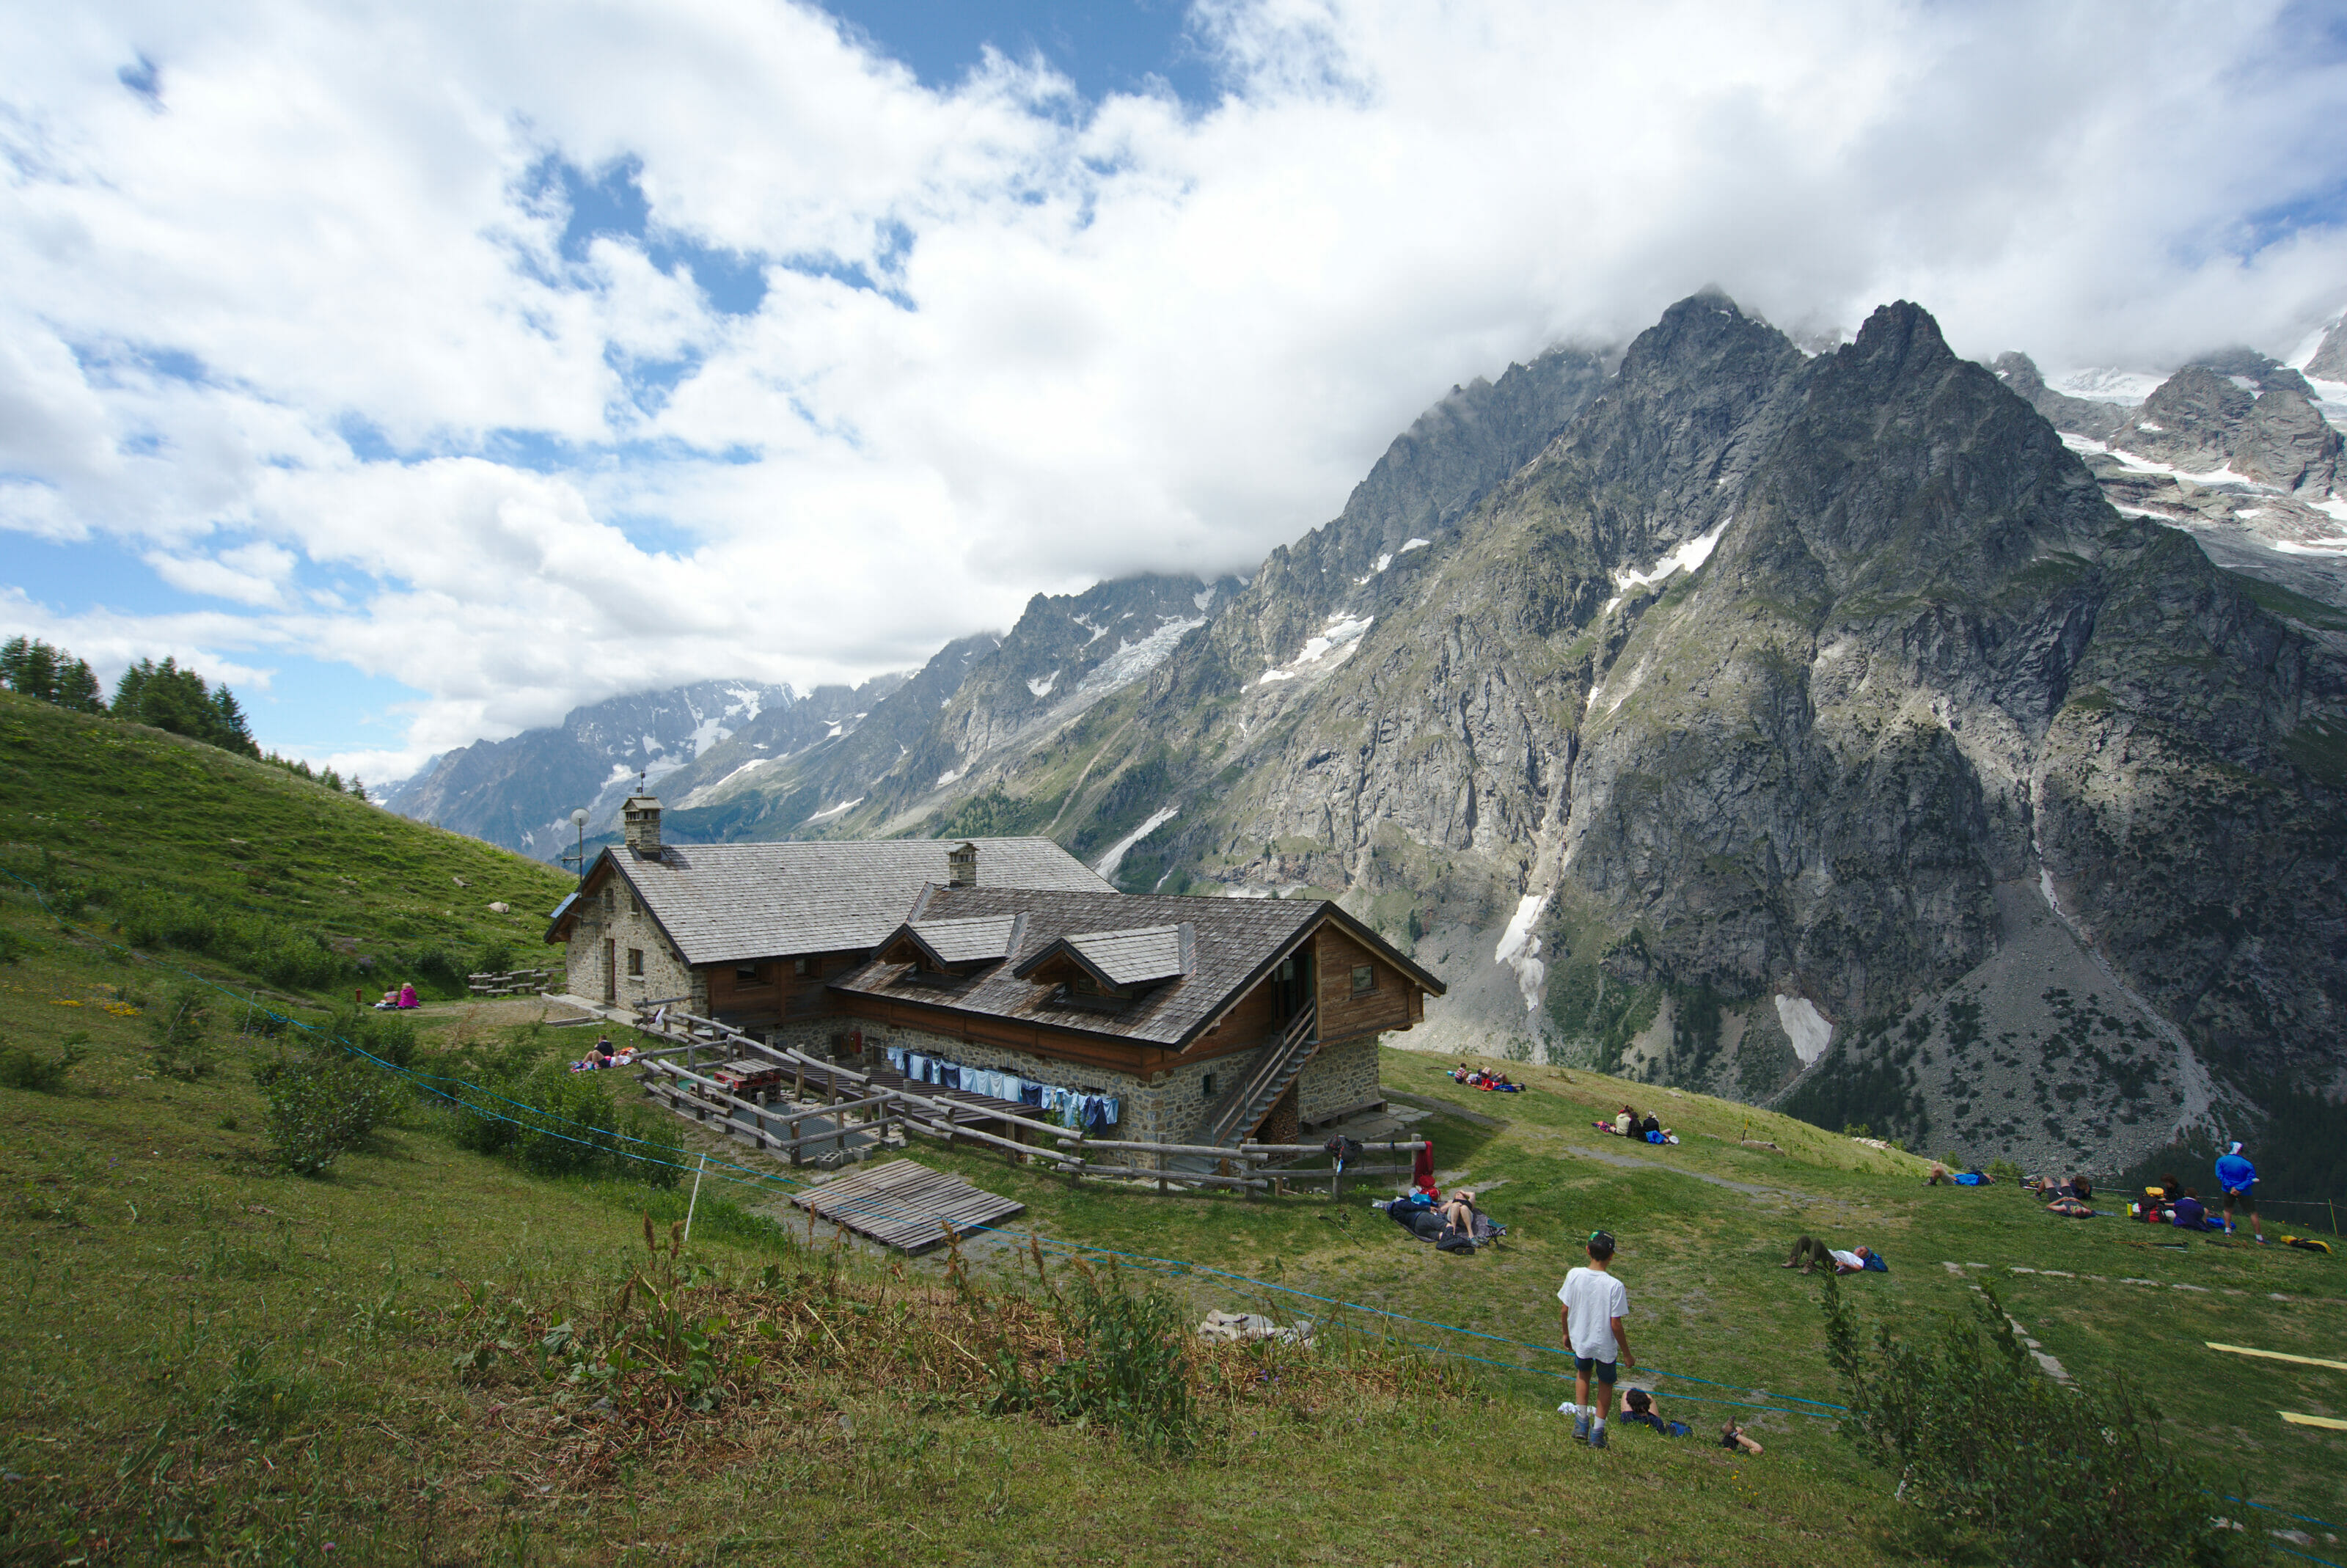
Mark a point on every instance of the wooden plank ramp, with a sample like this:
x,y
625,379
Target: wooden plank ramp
x,y
904,1204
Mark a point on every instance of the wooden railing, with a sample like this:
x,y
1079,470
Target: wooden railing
x,y
1243,1105
780,1129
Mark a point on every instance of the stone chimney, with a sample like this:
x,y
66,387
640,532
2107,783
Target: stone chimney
x,y
961,866
641,816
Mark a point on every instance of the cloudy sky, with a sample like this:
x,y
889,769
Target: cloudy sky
x,y
426,368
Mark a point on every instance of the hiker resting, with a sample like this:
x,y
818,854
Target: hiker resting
x,y
1594,1303
1731,1436
1809,1253
1637,1405
2239,1179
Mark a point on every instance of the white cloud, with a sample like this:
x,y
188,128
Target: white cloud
x,y
1104,337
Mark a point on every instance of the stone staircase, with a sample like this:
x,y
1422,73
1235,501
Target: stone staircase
x,y
1243,1106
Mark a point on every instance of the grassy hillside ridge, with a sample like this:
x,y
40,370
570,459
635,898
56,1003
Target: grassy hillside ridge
x,y
172,843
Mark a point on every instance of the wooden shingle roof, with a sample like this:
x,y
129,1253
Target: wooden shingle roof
x,y
1232,944
730,903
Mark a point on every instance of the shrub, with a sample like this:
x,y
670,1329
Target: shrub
x,y
435,969
388,1037
20,1068
557,1122
2004,1170
321,1104
1994,1453
180,1024
1132,1375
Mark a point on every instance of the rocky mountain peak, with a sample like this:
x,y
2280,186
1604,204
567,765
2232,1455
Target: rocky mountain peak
x,y
2245,414
2330,361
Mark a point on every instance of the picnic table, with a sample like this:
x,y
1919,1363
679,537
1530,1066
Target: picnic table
x,y
749,1077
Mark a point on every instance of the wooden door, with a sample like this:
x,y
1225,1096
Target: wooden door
x,y
610,968
1291,985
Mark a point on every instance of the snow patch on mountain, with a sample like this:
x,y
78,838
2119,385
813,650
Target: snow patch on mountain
x,y
1115,855
1518,950
2105,384
1805,1026
1689,555
1340,636
1132,660
709,791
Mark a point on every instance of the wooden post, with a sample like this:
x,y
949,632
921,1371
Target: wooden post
x,y
795,1142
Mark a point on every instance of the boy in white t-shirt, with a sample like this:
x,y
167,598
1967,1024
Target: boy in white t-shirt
x,y
1595,1304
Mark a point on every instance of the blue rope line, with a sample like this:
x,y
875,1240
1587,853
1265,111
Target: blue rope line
x,y
2310,1556
2302,1518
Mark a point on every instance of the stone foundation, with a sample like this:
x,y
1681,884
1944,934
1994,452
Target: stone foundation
x,y
1339,1078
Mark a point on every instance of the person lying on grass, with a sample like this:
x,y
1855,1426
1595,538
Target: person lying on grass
x,y
1809,1253
1731,1436
1639,1405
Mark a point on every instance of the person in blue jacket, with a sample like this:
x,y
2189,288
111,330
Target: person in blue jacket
x,y
2240,1180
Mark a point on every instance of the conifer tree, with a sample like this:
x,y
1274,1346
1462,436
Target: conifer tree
x,y
29,666
77,687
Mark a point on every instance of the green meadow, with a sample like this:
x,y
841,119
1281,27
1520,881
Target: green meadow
x,y
208,1359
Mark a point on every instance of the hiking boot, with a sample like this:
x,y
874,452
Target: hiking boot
x,y
1597,1439
2261,1241
1580,1429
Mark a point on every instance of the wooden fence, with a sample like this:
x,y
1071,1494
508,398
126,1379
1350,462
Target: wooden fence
x,y
775,1119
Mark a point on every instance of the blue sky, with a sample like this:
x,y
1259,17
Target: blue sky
x,y
428,375
1101,48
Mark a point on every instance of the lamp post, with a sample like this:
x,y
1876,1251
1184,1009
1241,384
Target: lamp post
x,y
579,821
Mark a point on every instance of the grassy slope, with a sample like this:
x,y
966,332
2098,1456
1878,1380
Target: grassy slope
x,y
1701,1262
125,805
146,1248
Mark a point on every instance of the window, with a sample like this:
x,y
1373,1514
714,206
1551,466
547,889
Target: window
x,y
745,973
609,903
1207,1087
635,960
806,969
1365,978
635,902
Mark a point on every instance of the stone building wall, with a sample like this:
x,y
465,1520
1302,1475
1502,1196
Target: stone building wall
x,y
1339,1078
616,915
